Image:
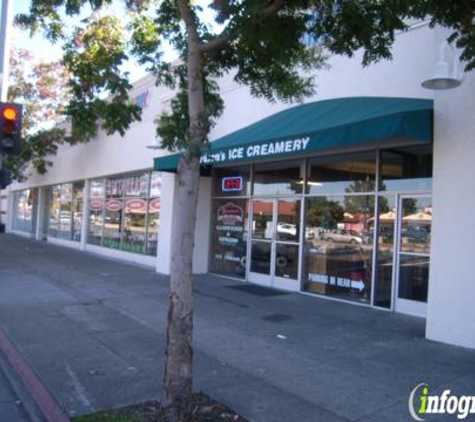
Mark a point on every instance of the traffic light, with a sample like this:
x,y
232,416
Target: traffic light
x,y
10,121
5,178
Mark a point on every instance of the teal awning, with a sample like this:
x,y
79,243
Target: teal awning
x,y
320,126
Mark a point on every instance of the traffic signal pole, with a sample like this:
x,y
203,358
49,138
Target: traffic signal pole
x,y
5,43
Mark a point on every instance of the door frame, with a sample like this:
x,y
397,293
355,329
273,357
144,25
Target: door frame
x,y
405,306
273,280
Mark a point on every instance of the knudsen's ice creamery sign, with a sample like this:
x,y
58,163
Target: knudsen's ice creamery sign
x,y
253,151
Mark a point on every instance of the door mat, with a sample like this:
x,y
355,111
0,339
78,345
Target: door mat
x,y
257,290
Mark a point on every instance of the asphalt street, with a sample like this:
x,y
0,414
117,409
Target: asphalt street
x,y
93,330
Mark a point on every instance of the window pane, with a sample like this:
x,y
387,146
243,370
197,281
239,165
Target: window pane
x,y
231,181
94,236
384,274
229,237
413,277
260,257
97,189
262,222
278,179
155,184
54,211
338,246
77,210
112,223
409,169
153,226
136,185
115,187
134,225
416,225
288,220
65,212
287,261
24,210
342,174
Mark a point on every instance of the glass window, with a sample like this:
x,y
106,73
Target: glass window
x,y
24,210
155,184
77,210
136,185
153,225
113,223
134,225
413,277
384,274
288,220
65,215
263,222
278,178
54,211
229,237
406,169
65,211
231,181
97,189
342,174
338,246
125,215
416,225
115,187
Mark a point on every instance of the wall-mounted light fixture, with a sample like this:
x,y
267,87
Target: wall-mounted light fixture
x,y
446,75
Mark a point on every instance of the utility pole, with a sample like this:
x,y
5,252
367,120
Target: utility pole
x,y
5,25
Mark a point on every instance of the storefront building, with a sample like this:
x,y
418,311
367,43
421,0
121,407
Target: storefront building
x,y
359,195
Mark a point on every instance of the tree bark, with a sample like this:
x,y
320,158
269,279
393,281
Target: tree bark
x,y
178,377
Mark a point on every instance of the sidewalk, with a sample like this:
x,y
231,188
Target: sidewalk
x,y
11,407
94,331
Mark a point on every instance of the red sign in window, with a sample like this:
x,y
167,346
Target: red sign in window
x,y
229,184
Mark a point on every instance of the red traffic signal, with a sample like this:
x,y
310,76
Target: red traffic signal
x,y
10,126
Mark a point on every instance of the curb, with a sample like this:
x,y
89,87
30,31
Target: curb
x,y
37,401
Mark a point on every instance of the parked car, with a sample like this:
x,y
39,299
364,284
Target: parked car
x,y
343,236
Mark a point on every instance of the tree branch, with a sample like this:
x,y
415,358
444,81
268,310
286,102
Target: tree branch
x,y
224,38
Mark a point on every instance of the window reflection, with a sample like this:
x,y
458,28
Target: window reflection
x,y
338,246
406,169
262,222
24,210
416,225
384,275
355,173
278,178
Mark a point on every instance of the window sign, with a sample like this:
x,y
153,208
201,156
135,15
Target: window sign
x,y
229,184
229,238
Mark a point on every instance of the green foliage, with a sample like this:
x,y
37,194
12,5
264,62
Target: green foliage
x,y
35,151
93,57
42,90
259,43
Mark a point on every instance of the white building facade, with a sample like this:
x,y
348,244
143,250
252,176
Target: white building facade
x,y
373,209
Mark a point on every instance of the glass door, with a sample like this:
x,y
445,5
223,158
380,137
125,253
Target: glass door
x,y
275,240
413,254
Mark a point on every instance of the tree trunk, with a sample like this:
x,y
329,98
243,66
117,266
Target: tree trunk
x,y
178,378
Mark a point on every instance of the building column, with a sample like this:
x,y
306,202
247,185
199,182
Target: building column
x,y
202,231
85,214
167,209
451,309
40,213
